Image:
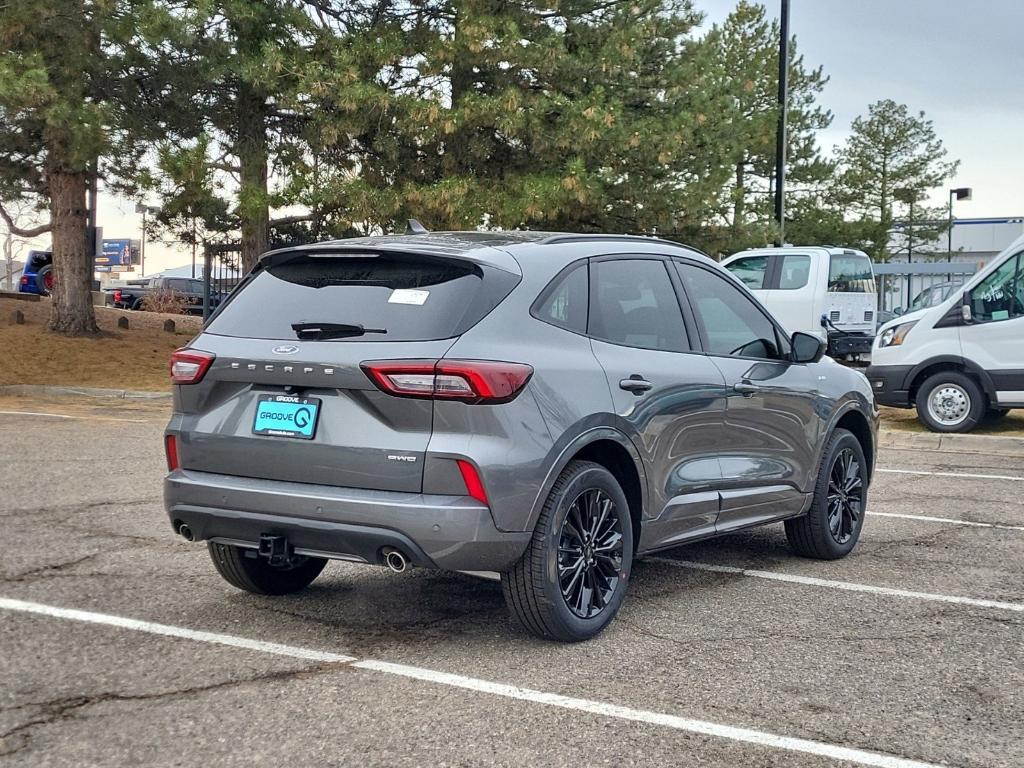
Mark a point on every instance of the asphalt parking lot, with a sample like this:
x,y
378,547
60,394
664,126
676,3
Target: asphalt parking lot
x,y
121,645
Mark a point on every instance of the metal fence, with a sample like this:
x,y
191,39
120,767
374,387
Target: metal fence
x,y
222,272
901,284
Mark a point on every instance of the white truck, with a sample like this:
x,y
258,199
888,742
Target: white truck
x,y
960,362
824,291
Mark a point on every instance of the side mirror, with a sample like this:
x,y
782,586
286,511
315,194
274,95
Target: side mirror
x,y
807,348
898,311
965,310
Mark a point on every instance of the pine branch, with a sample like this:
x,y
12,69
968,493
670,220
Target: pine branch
x,y
19,231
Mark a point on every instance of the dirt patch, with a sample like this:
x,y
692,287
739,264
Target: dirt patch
x,y
136,358
905,420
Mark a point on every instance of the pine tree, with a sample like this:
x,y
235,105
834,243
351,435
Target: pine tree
x,y
746,50
891,154
466,113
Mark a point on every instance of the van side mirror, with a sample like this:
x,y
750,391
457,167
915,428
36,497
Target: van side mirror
x,y
806,348
965,310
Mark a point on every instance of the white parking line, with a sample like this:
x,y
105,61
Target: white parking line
x,y
72,416
171,631
950,520
603,709
848,586
1017,478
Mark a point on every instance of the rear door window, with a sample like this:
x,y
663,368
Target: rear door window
x,y
850,273
408,296
794,272
633,303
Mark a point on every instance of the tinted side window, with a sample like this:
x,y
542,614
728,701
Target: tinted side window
x,y
751,270
999,296
735,325
564,302
794,272
635,304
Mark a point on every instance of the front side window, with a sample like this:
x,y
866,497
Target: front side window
x,y
850,273
634,304
565,303
999,296
734,325
751,271
794,272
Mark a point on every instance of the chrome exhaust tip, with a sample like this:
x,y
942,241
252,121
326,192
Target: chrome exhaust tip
x,y
395,560
186,532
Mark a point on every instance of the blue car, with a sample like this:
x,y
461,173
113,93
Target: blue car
x,y
37,276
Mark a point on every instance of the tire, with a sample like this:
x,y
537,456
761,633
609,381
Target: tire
x,y
950,401
831,528
137,306
44,280
256,575
533,587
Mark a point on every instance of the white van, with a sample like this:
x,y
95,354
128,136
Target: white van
x,y
960,361
827,292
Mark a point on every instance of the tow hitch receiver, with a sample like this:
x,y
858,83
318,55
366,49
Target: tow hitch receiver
x,y
276,549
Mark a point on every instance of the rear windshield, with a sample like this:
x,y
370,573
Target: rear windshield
x,y
410,297
850,273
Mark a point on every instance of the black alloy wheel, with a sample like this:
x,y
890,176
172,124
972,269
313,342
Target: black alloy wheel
x,y
590,553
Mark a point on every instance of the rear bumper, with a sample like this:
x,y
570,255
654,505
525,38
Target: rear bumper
x,y
890,384
450,532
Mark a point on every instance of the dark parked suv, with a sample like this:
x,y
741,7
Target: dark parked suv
x,y
547,406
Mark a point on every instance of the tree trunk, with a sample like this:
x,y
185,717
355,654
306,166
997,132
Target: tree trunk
x,y
71,313
739,199
252,158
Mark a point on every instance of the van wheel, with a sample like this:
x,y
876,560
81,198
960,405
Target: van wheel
x,y
254,574
832,526
572,579
950,401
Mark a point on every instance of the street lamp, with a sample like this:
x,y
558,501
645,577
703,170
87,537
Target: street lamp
x,y
909,196
144,209
961,193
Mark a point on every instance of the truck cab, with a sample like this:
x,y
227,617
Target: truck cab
x,y
824,291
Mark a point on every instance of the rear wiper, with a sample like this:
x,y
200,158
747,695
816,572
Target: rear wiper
x,y
321,331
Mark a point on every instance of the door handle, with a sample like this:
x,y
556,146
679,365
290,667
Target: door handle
x,y
745,388
635,384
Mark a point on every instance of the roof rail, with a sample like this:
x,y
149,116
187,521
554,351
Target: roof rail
x,y
597,237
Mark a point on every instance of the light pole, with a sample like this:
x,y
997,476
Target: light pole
x,y
780,138
960,193
909,196
143,209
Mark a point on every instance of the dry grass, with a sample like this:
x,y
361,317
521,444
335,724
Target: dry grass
x,y
136,358
906,421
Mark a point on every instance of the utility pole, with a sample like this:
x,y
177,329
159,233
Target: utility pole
x,y
780,139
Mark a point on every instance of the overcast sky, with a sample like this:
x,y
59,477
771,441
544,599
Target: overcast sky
x,y
962,62
957,60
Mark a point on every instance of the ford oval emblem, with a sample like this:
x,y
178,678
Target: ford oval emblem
x,y
285,349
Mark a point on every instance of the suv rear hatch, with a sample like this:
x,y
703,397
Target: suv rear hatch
x,y
301,327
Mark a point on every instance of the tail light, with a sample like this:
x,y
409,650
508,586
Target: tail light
x,y
117,296
24,279
474,485
188,366
471,381
171,449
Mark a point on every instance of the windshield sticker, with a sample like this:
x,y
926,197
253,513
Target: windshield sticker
x,y
408,296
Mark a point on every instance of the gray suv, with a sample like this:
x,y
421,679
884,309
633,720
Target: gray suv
x,y
546,406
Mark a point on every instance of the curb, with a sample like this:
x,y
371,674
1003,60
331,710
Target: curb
x,y
994,445
41,390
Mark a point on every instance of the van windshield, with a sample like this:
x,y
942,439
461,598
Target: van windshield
x,y
850,273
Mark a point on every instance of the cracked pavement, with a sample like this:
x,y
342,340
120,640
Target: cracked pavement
x,y
940,683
